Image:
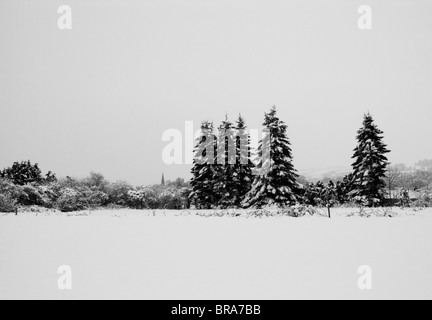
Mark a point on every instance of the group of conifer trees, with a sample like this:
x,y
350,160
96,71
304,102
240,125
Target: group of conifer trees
x,y
224,174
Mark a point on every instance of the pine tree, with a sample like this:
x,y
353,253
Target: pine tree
x,y
243,168
370,164
344,188
203,169
277,183
223,179
24,172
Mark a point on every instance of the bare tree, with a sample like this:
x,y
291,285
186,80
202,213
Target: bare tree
x,y
393,175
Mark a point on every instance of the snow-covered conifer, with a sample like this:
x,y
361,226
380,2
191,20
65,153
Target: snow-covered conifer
x,y
203,169
370,164
276,183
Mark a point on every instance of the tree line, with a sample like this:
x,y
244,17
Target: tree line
x,y
223,184
24,185
234,179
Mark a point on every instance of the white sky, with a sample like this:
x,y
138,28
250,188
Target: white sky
x,y
99,97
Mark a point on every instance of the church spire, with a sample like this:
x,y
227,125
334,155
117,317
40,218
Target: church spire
x,y
163,180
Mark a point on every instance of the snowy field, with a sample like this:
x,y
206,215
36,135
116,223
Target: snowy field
x,y
130,254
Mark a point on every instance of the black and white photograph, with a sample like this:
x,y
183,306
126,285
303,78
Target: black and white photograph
x,y
221,157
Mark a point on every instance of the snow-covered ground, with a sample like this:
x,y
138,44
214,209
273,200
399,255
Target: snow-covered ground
x,y
130,254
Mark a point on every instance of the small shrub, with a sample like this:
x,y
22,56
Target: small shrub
x,y
32,196
404,197
365,201
374,212
298,211
259,213
71,200
9,195
49,195
7,203
10,189
97,198
118,193
421,203
171,198
168,197
143,198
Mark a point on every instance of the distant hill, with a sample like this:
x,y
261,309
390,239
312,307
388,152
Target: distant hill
x,y
424,164
334,173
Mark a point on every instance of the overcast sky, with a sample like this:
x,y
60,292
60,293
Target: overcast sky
x,y
98,97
